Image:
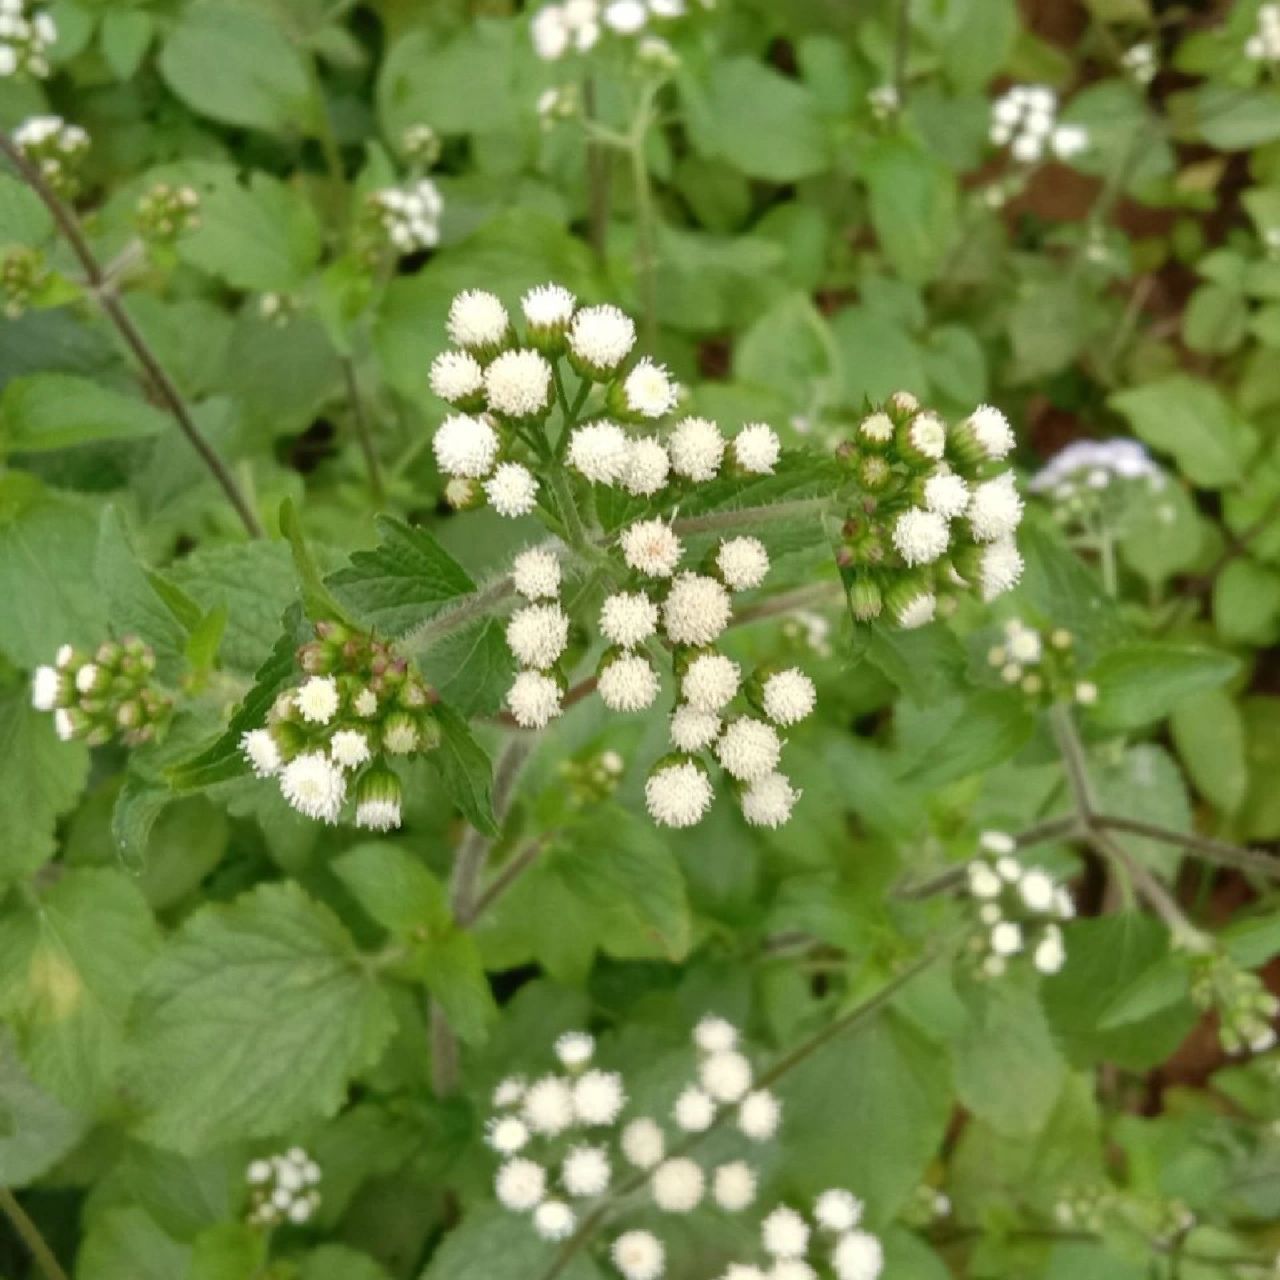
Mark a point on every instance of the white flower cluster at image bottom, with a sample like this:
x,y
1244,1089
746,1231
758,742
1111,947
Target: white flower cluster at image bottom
x,y
1019,908
1025,119
283,1188
562,1136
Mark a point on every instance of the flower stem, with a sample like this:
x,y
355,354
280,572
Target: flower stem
x,y
102,290
563,494
31,1236
597,179
364,431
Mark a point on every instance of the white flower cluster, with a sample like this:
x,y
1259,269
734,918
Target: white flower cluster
x,y
576,26
25,39
1140,61
1045,672
1025,120
1264,44
1246,1009
563,1138
283,1188
164,212
1095,464
53,146
408,217
793,1241
1019,908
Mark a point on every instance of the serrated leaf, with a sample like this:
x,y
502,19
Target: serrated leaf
x,y
471,668
1139,683
58,410
394,887
252,1021
318,602
492,1245
124,1243
38,1130
465,769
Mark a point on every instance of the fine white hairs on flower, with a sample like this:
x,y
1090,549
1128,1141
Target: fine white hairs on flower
x,y
628,618
602,337
477,320
649,390
534,700
678,794
465,446
650,547
601,451
697,448
788,696
749,749
743,563
537,635
677,1185
512,491
756,449
768,801
697,609
921,536
535,574
518,384
628,683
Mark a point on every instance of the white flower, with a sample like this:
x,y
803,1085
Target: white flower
x,y
626,17
647,467
651,548
678,795
921,536
677,1185
734,1186
1086,693
534,700
995,509
877,428
694,1110
585,1171
314,786
1069,140
456,375
1001,567
998,842
87,677
642,1143
759,1114
648,390
785,1233
62,659
788,696
697,448
548,1106
598,1097
550,33
628,618
601,451
743,563
983,881
837,1210
858,1256
638,1255
518,384
258,1172
379,813
260,749
535,574
1037,890
918,611
506,1134
477,319
756,449
602,337
693,730
509,1091
1050,955
317,700
628,683
946,493
465,446
1006,938
575,1048
349,748
549,306
697,609
1023,643
554,1220
45,687
927,434
749,749
63,725
512,491
991,430
537,634
768,801
520,1184
715,1035
710,682
726,1075
795,1268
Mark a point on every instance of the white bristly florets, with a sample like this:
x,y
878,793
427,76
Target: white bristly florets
x,y
638,1255
857,1256
314,786
1037,890
642,1143
651,548
1001,568
837,1210
785,1234
575,1048
693,730
509,1091
649,390
992,431
743,563
518,384
548,1106
520,1184
506,1134
629,683
1050,954
260,749
349,748
677,1185
715,1035
678,795
927,434
602,337
696,610
647,468
628,618
697,448
710,682
995,509
1006,938
598,1097
756,449
317,700
535,574
749,749
549,306
456,376
947,494
600,451
788,696
921,536
534,700
46,685
512,491
734,1186
759,1114
983,881
694,1110
876,428
554,1220
726,1075
465,446
917,611
537,635
585,1171
477,320
769,801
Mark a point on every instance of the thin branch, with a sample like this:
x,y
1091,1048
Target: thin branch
x,y
512,870
102,290
1073,758
751,517
31,1237
901,52
364,430
1211,850
1150,889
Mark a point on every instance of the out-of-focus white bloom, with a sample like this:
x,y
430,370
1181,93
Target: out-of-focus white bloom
x,y
785,1233
1086,693
349,748
534,700
1140,62
768,801
921,536
1050,954
693,730
837,1210
1001,843
1122,458
743,563
512,491
506,1134
710,682
756,449
456,376
1006,938
649,390
1069,140
697,449
749,749
647,468
465,446
520,1184
995,509
314,786
601,338
788,696
714,1034
650,547
626,17
983,881
857,1256
554,1220
628,618
317,700
733,1186
643,1144
410,216
638,1255
678,794
947,494
1001,568
575,1048
518,384
916,611
726,1075
677,1185
260,750
509,1091
598,1097
477,320
990,431
628,683
537,635
1037,890
697,609
759,1115
63,724
550,33
585,1171
535,574
548,1106
601,451
876,428
694,1111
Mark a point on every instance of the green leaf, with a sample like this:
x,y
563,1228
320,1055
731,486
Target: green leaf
x,y
454,974
232,62
1190,419
493,1245
126,1244
465,770
23,217
913,207
926,664
41,778
228,1251
40,1130
952,739
253,1021
394,888
405,580
318,602
57,410
337,1262
1142,682
124,37
471,668
1246,602
977,40
1209,735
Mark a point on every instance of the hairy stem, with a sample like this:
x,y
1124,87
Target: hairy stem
x,y
512,870
164,386
30,1235
364,430
1218,851
1073,759
751,517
